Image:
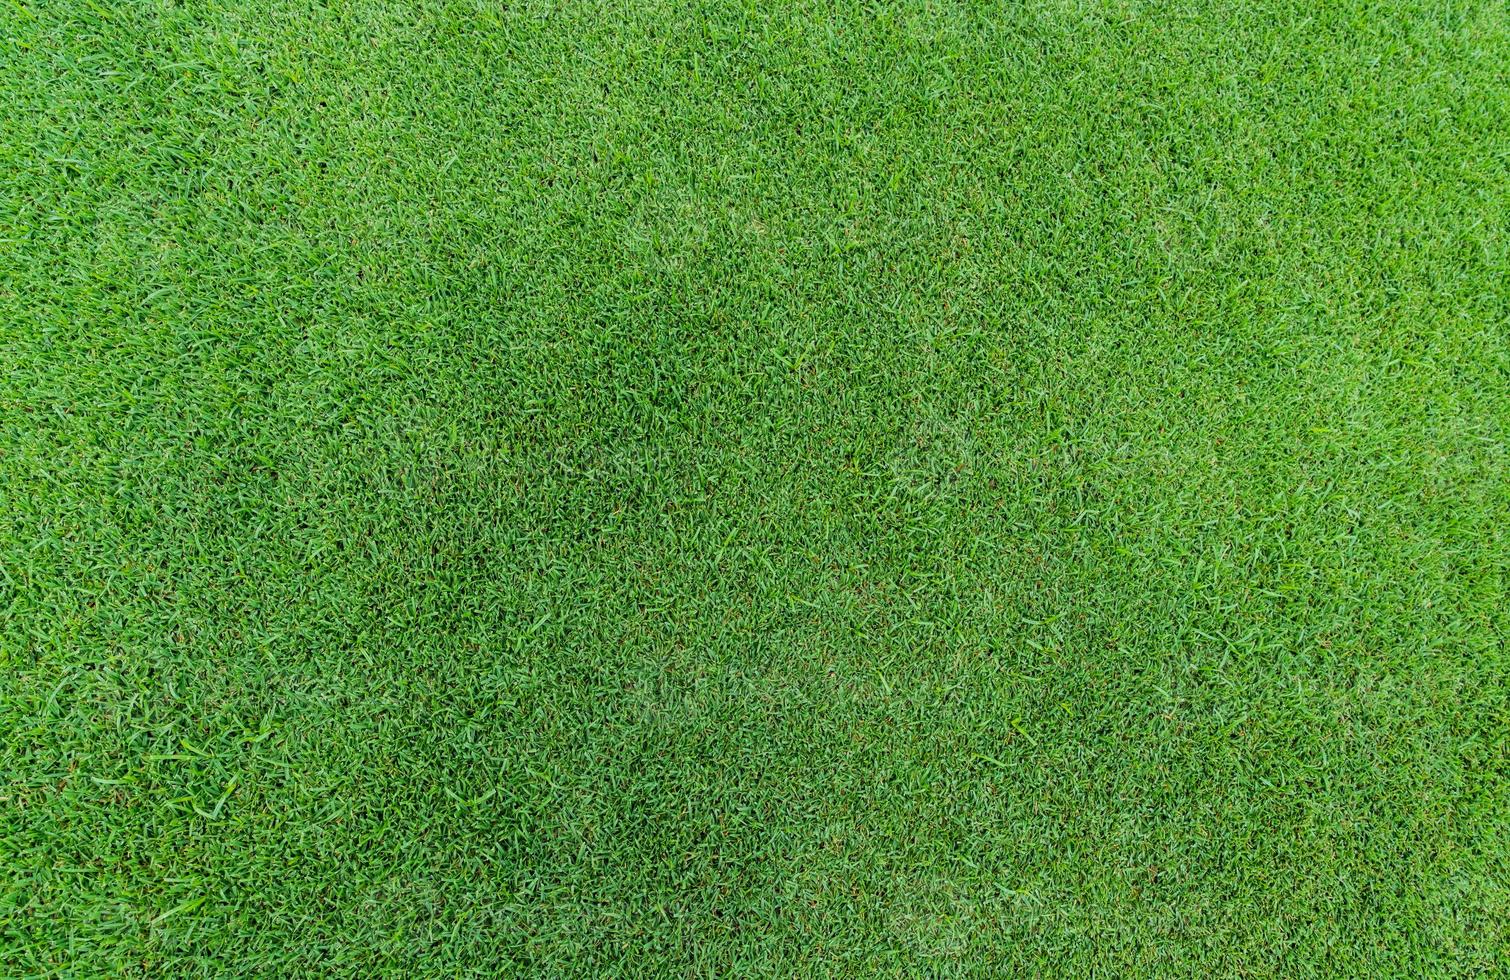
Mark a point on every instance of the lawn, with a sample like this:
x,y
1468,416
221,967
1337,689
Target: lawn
x,y
755,489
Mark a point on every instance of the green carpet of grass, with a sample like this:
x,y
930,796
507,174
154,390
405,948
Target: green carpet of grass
x,y
748,489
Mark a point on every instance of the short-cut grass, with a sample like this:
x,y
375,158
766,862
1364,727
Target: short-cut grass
x,y
755,489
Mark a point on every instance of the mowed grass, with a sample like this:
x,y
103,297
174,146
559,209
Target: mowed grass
x,y
802,489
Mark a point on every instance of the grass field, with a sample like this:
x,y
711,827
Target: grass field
x,y
714,488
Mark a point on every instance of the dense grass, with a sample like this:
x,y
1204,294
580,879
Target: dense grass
x,y
719,488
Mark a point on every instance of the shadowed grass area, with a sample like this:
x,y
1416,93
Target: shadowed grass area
x,y
747,489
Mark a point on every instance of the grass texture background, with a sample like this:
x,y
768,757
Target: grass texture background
x,y
717,488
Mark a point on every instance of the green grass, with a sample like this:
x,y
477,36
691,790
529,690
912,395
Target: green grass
x,y
714,488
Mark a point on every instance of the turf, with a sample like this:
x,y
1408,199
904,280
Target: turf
x,y
803,489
